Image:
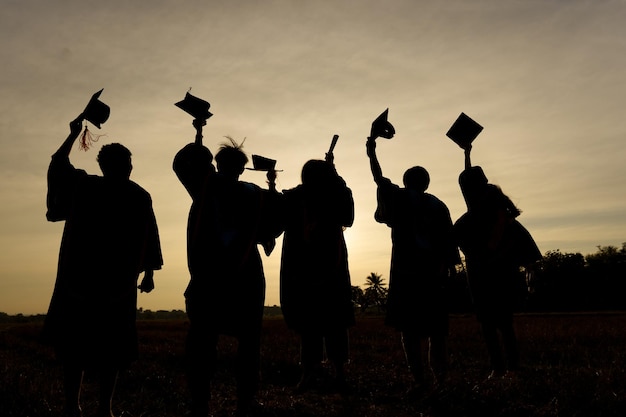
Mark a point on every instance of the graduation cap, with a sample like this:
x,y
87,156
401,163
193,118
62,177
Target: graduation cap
x,y
381,127
96,111
195,106
261,163
464,130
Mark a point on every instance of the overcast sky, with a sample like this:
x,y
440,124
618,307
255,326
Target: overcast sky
x,y
544,78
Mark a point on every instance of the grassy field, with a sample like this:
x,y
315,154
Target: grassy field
x,y
573,365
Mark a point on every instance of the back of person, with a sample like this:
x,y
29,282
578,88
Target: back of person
x,y
420,225
227,269
108,221
103,250
225,223
420,230
314,266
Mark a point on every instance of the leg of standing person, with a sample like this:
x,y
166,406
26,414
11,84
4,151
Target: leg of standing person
x,y
201,358
248,369
72,381
509,341
438,357
107,378
494,349
311,355
412,345
337,349
437,342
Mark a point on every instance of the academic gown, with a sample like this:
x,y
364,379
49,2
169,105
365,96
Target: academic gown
x,y
110,237
226,223
493,264
495,245
315,288
422,251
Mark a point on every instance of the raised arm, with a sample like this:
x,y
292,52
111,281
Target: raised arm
x,y
193,163
347,206
62,176
330,158
271,180
374,164
198,124
468,161
76,126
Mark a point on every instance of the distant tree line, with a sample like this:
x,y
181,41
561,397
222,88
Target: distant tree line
x,y
147,314
562,282
160,314
20,318
269,311
573,282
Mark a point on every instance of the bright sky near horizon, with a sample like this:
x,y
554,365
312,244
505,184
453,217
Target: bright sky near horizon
x,y
544,78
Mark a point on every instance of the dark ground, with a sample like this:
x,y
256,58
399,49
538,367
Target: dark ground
x,y
573,365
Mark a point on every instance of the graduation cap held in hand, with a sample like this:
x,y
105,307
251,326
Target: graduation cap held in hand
x,y
96,111
195,106
261,163
381,127
464,130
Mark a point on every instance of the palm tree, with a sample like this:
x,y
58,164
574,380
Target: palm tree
x,y
376,291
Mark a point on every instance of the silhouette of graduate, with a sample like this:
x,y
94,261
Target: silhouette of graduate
x,y
110,238
495,245
228,219
423,256
315,288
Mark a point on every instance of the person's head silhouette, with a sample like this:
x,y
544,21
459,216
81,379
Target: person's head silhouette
x,y
231,160
483,197
115,161
316,173
473,182
416,178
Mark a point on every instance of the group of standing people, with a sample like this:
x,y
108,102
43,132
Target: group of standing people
x,y
228,221
425,255
111,237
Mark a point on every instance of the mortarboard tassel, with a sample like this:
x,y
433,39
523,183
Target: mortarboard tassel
x,y
87,139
